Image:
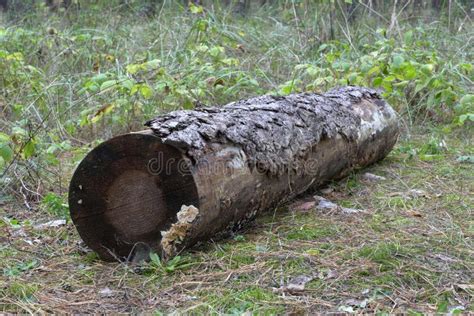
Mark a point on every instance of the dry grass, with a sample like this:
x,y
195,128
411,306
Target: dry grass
x,y
410,251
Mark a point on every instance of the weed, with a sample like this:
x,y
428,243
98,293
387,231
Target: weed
x,y
173,265
20,268
56,205
20,290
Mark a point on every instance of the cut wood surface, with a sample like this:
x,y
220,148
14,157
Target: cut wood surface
x,y
204,173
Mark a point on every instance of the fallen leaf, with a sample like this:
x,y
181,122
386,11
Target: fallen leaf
x,y
325,204
32,242
465,287
395,194
415,193
296,285
106,292
348,210
346,309
357,303
51,224
372,177
332,274
326,191
443,257
414,213
306,206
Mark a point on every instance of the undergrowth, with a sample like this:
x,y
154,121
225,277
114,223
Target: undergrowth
x,y
71,79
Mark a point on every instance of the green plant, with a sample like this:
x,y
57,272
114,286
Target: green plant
x,y
56,205
171,266
19,268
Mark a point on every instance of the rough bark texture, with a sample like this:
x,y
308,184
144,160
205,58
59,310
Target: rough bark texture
x,y
203,173
274,132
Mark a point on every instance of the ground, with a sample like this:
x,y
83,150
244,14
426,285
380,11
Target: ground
x,y
410,249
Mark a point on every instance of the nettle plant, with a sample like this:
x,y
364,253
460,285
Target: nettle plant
x,y
201,73
412,74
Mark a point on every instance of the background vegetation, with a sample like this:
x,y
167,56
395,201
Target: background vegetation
x,y
72,77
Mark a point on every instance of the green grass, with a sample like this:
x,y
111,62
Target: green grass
x,y
70,81
416,252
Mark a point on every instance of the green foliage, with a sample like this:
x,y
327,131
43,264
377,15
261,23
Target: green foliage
x,y
19,268
69,80
414,76
56,205
66,82
20,290
158,266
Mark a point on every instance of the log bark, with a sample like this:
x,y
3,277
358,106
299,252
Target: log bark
x,y
196,175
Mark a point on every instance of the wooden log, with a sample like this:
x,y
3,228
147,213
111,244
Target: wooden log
x,y
200,174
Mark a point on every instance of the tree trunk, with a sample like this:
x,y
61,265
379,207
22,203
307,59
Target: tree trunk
x,y
204,173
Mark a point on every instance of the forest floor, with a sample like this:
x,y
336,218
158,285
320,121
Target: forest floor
x,y
409,248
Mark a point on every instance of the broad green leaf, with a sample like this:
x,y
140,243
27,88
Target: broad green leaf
x,y
387,86
195,9
52,149
409,72
153,64
99,78
466,117
468,99
6,152
389,78
312,71
92,86
19,131
397,61
133,68
155,259
146,91
401,84
135,89
467,67
108,84
377,81
374,70
408,37
442,307
427,69
4,138
29,149
202,25
323,47
253,82
127,83
216,51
